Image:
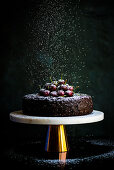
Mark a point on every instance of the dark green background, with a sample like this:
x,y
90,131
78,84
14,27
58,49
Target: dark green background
x,y
26,64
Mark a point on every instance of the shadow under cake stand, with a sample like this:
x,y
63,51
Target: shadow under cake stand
x,y
56,140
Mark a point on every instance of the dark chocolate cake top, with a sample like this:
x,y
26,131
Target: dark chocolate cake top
x,y
36,96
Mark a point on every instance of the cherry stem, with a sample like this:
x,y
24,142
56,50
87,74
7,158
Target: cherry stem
x,y
40,86
61,76
65,81
51,79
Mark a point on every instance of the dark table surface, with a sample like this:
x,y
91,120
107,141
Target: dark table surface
x,y
84,152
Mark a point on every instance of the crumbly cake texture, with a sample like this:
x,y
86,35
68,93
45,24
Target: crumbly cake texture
x,y
77,105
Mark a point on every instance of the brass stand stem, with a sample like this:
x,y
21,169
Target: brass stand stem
x,y
56,139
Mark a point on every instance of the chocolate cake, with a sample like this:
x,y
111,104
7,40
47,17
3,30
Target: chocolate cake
x,y
79,104
57,99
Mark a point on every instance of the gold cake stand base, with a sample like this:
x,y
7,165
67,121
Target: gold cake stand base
x,y
56,140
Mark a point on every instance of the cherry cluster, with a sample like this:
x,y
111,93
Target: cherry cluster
x,y
57,88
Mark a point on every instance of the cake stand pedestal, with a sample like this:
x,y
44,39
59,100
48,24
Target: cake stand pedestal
x,y
56,140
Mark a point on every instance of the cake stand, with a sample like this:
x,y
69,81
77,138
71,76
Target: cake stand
x,y
56,140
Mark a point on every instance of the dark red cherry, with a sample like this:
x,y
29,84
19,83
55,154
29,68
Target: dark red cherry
x,y
41,92
46,93
64,87
70,88
55,83
67,84
47,85
69,93
61,81
60,93
52,87
54,94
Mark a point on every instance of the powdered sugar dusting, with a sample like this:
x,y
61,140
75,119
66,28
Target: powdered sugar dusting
x,y
56,44
50,98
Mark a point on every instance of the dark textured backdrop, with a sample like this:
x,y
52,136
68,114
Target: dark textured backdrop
x,y
23,26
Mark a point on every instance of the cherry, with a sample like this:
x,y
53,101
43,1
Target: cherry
x,y
64,87
61,81
54,94
42,92
52,87
69,93
47,85
67,84
60,93
46,93
70,88
55,83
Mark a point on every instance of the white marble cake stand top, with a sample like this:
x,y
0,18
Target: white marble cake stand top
x,y
18,116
